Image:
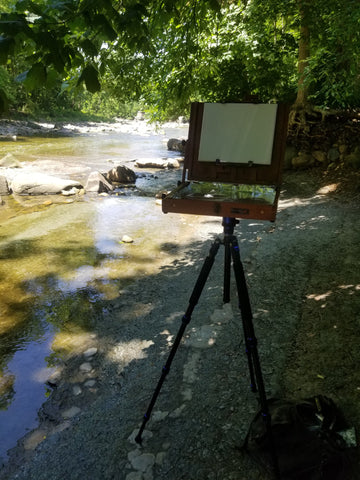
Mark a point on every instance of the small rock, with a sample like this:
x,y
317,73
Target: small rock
x,y
61,427
150,163
33,440
121,174
71,412
178,411
89,383
71,191
77,390
133,454
127,239
143,462
159,460
173,163
159,416
302,160
90,352
86,367
54,379
319,156
96,182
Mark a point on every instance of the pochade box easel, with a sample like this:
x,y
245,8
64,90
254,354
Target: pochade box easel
x,y
232,169
233,161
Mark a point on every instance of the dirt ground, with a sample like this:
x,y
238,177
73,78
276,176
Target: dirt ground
x,y
304,286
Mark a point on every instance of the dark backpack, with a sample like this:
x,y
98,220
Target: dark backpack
x,y
306,439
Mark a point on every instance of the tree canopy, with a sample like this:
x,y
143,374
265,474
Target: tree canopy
x,y
168,53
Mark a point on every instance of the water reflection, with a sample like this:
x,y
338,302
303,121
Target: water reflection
x,y
29,371
55,265
59,257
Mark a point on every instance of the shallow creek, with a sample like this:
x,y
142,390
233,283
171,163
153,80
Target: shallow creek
x,y
59,255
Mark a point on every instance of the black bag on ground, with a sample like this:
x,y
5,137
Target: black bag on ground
x,y
305,437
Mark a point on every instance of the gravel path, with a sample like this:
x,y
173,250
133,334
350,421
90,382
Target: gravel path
x,y
303,267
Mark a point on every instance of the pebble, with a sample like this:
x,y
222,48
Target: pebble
x,y
158,416
36,437
89,383
159,460
86,367
76,390
178,411
143,462
90,352
71,412
127,239
133,454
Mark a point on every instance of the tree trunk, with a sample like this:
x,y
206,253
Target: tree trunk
x,y
301,102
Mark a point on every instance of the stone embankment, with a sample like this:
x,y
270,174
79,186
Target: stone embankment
x,y
324,140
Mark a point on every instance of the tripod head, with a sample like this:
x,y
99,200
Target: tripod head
x,y
229,224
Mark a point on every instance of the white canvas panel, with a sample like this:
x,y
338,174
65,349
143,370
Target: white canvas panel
x,y
237,133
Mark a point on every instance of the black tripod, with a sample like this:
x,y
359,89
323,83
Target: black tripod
x,y
232,252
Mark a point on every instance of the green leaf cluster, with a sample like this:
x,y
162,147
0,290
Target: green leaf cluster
x,y
166,54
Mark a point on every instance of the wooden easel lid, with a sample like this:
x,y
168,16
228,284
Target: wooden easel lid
x,y
241,172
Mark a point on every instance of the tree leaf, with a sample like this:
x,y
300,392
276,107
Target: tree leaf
x,y
90,76
103,26
89,47
33,78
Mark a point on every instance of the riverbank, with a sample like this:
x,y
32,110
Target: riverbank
x,y
303,283
11,129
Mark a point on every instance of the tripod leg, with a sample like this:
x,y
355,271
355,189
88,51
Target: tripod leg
x,y
227,272
251,347
204,273
228,224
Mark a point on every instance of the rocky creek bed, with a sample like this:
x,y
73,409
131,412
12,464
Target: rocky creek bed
x,y
304,286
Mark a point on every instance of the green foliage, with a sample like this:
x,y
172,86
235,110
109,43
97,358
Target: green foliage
x,y
167,54
90,76
107,106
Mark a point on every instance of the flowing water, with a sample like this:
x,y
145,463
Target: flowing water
x,y
59,255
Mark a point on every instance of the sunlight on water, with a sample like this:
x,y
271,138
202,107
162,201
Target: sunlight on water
x,y
58,258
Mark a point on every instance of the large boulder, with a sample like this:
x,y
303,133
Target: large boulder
x,y
96,182
121,174
176,145
41,184
157,163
